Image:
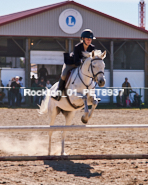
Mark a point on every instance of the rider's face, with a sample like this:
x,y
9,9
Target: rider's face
x,y
88,41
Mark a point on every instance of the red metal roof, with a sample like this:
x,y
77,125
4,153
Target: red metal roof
x,y
21,15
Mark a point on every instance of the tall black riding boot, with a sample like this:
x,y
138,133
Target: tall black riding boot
x,y
60,88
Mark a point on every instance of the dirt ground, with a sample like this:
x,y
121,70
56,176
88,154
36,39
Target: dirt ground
x,y
94,172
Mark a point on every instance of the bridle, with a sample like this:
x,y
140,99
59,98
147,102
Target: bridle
x,y
94,75
87,86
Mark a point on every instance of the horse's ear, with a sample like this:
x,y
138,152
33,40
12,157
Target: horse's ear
x,y
93,53
103,55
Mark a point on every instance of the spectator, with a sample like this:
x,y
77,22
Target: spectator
x,y
35,87
126,90
42,85
15,92
48,84
128,102
2,94
10,81
20,81
32,80
119,99
137,100
21,90
42,73
9,92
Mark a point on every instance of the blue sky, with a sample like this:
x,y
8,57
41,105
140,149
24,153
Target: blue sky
x,y
126,10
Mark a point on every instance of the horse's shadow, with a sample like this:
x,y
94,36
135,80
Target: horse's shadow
x,y
78,169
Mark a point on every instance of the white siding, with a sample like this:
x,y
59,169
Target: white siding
x,y
47,57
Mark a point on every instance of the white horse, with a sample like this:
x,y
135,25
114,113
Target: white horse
x,y
81,82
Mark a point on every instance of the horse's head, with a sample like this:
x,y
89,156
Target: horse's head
x,y
96,66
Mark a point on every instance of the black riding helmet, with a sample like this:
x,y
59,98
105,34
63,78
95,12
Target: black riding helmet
x,y
87,33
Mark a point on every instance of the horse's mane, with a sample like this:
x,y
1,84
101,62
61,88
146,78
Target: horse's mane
x,y
95,53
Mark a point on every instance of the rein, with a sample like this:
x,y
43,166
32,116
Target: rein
x,y
82,80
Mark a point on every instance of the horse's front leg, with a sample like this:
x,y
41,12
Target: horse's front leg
x,y
49,147
94,102
85,117
54,111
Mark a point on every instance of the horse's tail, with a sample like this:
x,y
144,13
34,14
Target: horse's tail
x,y
44,105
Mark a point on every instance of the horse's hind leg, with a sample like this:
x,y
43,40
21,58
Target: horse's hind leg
x,y
68,116
53,113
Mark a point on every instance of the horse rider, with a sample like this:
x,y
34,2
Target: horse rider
x,y
84,45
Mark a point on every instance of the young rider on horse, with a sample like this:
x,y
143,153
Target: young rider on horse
x,y
84,45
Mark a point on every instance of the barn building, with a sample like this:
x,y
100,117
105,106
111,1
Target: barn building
x,y
41,36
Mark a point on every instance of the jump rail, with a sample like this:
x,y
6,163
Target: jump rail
x,y
73,128
75,157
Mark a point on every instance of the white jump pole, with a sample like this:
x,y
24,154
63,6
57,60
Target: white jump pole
x,y
73,128
75,157
76,128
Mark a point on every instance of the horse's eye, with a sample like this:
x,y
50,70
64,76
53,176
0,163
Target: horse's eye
x,y
93,66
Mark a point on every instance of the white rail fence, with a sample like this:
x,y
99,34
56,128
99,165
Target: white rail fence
x,y
74,128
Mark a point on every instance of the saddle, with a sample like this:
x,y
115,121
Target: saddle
x,y
68,76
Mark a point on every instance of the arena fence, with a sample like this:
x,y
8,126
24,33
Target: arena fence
x,y
74,128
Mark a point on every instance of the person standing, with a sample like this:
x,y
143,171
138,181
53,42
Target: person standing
x,y
42,85
32,80
35,87
21,90
15,86
127,88
9,92
2,94
42,73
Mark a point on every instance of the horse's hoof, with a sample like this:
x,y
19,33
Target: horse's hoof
x,y
84,120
